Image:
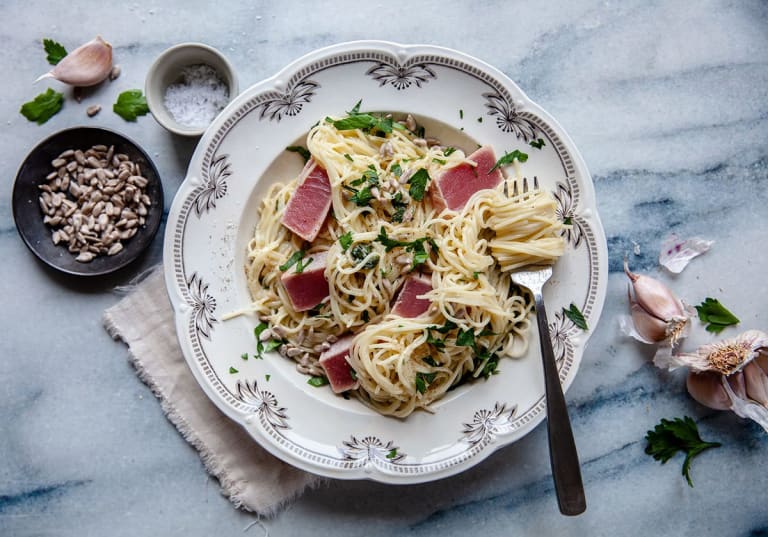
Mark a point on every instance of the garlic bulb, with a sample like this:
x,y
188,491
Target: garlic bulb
x,y
87,65
745,389
657,315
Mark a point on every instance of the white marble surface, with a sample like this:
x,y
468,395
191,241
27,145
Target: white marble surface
x,y
668,102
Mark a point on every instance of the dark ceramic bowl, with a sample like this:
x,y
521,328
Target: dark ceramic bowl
x,y
29,217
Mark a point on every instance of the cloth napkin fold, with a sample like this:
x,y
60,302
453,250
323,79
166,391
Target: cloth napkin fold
x,y
249,476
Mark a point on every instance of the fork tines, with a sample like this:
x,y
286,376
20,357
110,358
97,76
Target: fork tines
x,y
525,187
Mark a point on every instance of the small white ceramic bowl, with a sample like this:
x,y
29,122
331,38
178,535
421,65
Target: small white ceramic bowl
x,y
167,69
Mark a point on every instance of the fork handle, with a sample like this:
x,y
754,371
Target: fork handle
x,y
563,457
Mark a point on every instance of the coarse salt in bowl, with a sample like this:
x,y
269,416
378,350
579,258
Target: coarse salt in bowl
x,y
187,86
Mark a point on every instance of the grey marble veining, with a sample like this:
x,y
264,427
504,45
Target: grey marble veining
x,y
668,102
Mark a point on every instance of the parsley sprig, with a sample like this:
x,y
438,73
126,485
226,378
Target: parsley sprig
x,y
509,158
671,436
55,52
43,107
367,122
131,104
416,247
297,258
301,150
712,312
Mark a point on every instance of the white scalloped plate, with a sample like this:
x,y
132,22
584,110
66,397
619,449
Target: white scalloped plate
x,y
215,211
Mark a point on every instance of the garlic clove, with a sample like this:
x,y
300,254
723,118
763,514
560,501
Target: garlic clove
x,y
756,383
707,389
650,328
85,66
740,404
655,297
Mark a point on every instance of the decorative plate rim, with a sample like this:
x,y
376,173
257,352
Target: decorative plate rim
x,y
256,408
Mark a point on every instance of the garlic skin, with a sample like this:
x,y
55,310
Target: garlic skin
x,y
657,314
745,390
725,357
87,65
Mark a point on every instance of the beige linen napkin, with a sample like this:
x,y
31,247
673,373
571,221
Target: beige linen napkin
x,y
250,477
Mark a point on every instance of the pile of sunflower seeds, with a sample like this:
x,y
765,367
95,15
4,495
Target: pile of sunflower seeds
x,y
94,200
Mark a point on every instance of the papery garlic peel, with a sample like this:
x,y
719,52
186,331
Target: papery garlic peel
x,y
87,65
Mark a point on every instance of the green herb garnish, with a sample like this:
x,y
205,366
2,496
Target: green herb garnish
x,y
348,157
448,151
345,241
232,370
423,380
301,150
244,356
317,381
131,104
538,144
295,258
392,453
508,158
396,170
461,114
418,184
366,122
267,377
271,345
55,51
361,251
712,312
43,107
669,437
576,316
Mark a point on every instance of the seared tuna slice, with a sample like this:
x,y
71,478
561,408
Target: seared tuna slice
x,y
309,287
337,369
408,304
308,207
454,187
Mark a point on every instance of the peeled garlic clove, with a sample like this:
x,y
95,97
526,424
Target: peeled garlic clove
x,y
655,297
756,383
87,65
707,389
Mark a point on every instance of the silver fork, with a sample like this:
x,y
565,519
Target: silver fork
x,y
564,459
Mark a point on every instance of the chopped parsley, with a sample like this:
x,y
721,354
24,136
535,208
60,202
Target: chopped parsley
x,y
392,453
362,197
267,377
366,122
396,170
232,370
362,251
345,241
575,315
466,338
416,247
317,381
296,259
303,151
418,184
244,356
509,158
348,157
712,312
423,380
461,114
448,151
538,144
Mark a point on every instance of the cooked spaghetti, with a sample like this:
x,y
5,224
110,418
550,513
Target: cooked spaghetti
x,y
384,227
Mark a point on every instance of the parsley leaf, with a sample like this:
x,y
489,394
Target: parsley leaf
x,y
448,151
303,151
131,104
669,437
418,184
273,344
538,144
712,312
423,380
392,453
396,169
367,122
257,334
466,338
244,356
576,316
317,381
232,370
491,366
361,251
416,247
43,107
345,241
509,158
295,258
55,51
